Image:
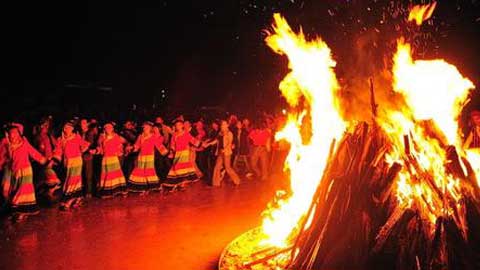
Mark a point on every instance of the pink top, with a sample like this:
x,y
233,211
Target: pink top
x,y
71,147
18,155
182,142
147,144
110,147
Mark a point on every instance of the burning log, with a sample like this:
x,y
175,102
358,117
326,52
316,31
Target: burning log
x,y
381,233
394,195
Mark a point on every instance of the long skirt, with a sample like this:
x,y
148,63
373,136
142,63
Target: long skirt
x,y
72,188
19,191
144,176
182,170
112,181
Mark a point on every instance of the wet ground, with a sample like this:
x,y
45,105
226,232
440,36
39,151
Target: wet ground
x,y
184,230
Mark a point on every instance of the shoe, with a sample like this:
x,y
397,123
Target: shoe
x,y
17,217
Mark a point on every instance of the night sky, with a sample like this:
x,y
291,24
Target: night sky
x,y
201,53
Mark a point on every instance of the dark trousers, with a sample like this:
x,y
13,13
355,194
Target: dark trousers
x,y
129,164
202,162
162,165
88,176
211,159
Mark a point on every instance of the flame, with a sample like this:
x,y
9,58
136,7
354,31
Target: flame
x,y
421,13
433,89
434,92
473,156
311,77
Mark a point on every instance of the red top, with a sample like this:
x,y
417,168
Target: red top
x,y
259,137
182,142
147,144
71,147
18,155
111,147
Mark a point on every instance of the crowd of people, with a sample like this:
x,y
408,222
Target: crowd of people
x,y
87,159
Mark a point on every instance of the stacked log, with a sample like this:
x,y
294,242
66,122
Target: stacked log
x,y
357,222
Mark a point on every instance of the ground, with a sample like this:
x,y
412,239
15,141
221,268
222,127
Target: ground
x,y
184,230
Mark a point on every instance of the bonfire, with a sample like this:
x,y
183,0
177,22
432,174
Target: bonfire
x,y
399,192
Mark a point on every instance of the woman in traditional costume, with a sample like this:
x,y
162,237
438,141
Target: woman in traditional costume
x,y
182,170
69,149
144,177
193,150
111,146
17,184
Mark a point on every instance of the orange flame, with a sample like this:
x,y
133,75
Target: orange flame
x,y
421,13
473,156
311,77
434,91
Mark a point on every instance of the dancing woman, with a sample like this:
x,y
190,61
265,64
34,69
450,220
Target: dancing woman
x,y
144,177
69,149
111,146
17,184
183,170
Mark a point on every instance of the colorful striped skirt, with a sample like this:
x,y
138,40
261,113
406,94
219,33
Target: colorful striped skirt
x,y
182,170
112,181
72,188
19,191
144,176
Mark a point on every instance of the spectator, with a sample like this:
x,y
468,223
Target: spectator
x,y
224,143
261,142
241,149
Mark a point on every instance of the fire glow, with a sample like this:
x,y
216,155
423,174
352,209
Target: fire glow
x,y
311,77
435,93
408,171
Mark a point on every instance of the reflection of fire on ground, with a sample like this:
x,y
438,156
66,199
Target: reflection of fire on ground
x,y
400,193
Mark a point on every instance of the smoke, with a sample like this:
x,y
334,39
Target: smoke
x,y
369,60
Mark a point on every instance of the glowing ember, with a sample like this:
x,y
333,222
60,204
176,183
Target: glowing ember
x,y
311,77
421,13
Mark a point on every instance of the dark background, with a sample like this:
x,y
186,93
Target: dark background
x,y
91,58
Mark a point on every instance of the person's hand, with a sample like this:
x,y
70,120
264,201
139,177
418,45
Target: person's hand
x,y
92,151
49,163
